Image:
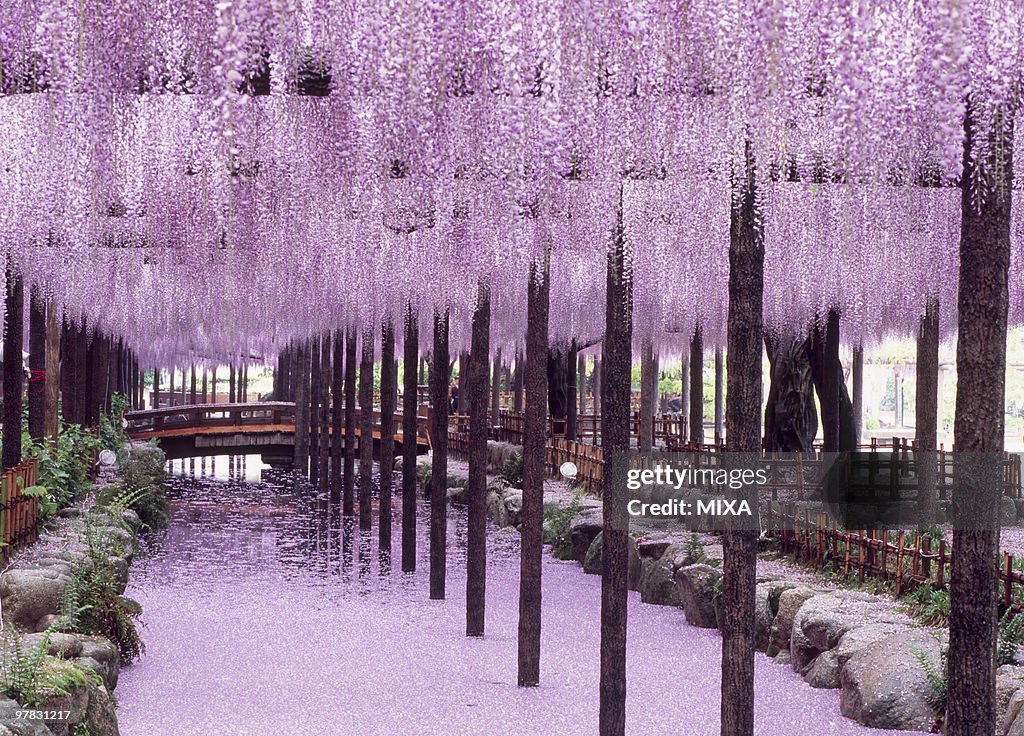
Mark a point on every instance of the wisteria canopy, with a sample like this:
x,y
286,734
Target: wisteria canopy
x,y
209,179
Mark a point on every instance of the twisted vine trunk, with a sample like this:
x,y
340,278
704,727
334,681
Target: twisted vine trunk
x,y
36,365
697,387
926,413
477,390
13,376
743,427
982,305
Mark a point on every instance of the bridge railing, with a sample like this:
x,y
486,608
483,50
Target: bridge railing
x,y
190,416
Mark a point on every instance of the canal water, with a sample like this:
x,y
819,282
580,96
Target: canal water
x,y
267,614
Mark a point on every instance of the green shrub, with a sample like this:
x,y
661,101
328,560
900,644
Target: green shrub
x,y
937,677
112,434
1011,635
510,474
557,522
92,602
928,605
150,503
64,468
33,677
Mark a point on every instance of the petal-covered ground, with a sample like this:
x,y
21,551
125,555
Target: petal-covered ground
x,y
267,615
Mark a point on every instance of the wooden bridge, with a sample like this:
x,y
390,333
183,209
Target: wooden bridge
x,y
266,428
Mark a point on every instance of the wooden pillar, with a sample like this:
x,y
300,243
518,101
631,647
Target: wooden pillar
x,y
205,386
301,386
857,378
388,381
366,430
476,389
36,365
461,404
697,386
245,383
315,376
192,384
13,368
156,388
517,383
597,387
496,389
534,471
616,386
171,396
349,479
719,396
410,408
926,411
232,396
684,402
581,371
51,412
324,403
213,385
337,413
645,438
439,378
572,410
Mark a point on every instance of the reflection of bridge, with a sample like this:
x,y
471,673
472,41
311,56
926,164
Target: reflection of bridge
x,y
266,428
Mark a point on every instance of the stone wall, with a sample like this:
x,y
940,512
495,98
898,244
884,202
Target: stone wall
x,y
33,605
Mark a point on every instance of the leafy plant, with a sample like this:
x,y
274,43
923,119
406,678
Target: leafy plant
x,y
48,504
112,434
557,523
92,602
937,677
64,467
32,677
510,474
695,550
1011,635
929,606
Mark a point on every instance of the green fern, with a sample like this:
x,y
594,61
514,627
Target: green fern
x,y
937,677
1011,635
34,677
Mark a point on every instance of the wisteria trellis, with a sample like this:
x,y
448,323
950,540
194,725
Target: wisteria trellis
x,y
142,184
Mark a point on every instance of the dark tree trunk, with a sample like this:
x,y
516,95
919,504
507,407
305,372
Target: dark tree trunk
x,y
790,416
982,305
337,413
517,384
36,365
206,392
531,528
838,429
192,386
439,377
314,410
100,393
476,535
14,376
496,390
684,402
213,386
349,481
156,388
302,368
719,396
81,377
232,396
572,411
697,387
51,410
926,410
597,386
857,379
67,353
645,436
462,403
410,407
581,372
366,431
388,381
616,390
743,426
325,406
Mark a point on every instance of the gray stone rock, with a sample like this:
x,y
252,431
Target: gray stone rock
x,y
104,653
781,658
885,686
592,560
514,505
657,583
496,509
1009,682
66,646
698,588
28,594
582,531
789,603
457,495
14,726
652,548
1007,511
763,617
823,671
100,716
1011,720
